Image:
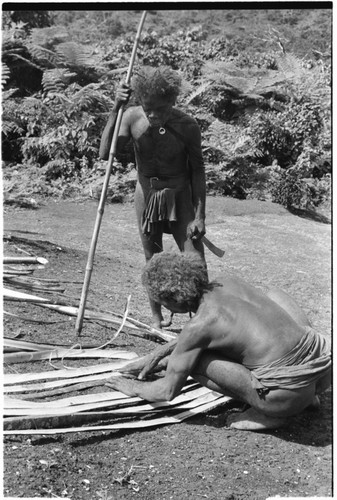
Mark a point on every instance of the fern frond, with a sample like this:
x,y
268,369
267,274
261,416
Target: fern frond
x,y
42,54
244,85
89,97
5,73
229,139
243,145
73,54
218,71
48,37
290,65
55,80
21,58
6,94
10,126
54,165
227,76
200,90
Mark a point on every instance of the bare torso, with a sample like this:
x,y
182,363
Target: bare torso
x,y
162,155
242,324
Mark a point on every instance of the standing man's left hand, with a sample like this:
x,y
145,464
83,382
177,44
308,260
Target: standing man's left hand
x,y
196,229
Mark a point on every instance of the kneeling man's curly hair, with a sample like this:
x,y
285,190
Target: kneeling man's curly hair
x,y
161,82
181,277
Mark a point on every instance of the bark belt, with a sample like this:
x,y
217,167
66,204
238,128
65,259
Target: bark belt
x,y
177,183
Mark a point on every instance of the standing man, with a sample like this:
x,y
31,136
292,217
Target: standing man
x,y
171,188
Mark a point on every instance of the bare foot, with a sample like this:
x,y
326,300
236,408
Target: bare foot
x,y
158,322
251,420
168,322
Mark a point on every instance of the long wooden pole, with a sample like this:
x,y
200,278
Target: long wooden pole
x,y
100,210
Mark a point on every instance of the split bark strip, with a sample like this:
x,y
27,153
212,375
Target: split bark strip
x,y
73,311
17,272
63,390
133,410
23,357
51,411
25,260
33,320
114,398
117,426
18,378
21,296
24,345
21,345
32,285
42,386
204,398
67,420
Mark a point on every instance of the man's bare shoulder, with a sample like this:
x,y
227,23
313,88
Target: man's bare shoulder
x,y
198,331
232,285
181,120
179,115
133,113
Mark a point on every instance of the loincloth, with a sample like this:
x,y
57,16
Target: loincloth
x,y
160,205
307,362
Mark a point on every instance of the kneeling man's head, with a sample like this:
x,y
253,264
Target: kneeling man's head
x,y
176,280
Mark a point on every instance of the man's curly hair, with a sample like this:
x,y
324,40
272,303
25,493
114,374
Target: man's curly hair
x,y
160,82
181,277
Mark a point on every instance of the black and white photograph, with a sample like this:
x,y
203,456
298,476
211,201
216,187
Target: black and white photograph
x,y
167,250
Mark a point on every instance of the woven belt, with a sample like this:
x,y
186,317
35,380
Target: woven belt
x,y
171,183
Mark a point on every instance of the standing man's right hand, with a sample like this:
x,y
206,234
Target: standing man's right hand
x,y
122,97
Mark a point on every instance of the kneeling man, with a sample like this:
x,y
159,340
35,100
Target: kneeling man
x,y
254,347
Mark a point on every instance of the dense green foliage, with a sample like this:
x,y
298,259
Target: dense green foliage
x,y
262,100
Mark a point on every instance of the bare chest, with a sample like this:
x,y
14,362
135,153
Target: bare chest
x,y
157,144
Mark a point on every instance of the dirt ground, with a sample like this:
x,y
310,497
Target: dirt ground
x,y
200,457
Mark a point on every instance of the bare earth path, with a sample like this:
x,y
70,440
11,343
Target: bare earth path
x,y
200,458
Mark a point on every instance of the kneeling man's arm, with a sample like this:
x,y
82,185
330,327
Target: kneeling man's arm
x,y
180,366
147,364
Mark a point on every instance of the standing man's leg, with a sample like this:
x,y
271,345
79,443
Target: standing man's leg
x,y
185,215
151,245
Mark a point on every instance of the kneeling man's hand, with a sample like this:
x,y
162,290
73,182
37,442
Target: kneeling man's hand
x,y
140,367
122,384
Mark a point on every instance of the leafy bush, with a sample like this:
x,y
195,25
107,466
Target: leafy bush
x,y
298,186
67,126
28,18
179,51
236,178
264,115
64,120
283,136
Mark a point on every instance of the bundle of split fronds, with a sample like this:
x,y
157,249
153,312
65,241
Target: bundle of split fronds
x,y
134,326
17,275
25,413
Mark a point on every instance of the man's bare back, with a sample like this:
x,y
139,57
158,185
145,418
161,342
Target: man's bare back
x,y
244,324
